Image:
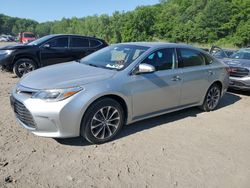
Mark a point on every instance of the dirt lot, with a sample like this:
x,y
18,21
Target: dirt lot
x,y
189,148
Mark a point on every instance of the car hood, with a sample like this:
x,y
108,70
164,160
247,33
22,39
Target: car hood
x,y
244,63
65,75
16,46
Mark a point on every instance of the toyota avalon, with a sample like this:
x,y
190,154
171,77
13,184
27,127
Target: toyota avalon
x,y
118,85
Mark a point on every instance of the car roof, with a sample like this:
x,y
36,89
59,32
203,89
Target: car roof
x,y
58,35
160,44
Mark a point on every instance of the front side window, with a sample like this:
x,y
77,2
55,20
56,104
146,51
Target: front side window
x,y
190,58
163,59
114,57
78,42
61,42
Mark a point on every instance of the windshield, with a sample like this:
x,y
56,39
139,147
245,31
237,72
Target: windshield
x,y
241,54
29,35
40,40
116,57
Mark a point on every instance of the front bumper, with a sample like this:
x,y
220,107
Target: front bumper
x,y
240,83
51,119
6,61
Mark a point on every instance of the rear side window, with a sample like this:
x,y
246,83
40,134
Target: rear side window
x,y
94,43
163,59
61,42
190,58
79,42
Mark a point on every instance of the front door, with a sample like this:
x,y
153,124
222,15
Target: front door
x,y
159,91
55,51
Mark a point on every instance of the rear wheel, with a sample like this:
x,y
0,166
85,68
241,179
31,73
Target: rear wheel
x,y
24,66
102,121
212,98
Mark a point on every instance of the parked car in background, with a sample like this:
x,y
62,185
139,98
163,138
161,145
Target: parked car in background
x,y
3,39
48,50
6,38
239,62
117,85
221,53
26,37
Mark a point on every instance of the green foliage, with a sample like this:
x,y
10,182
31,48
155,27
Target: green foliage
x,y
191,21
10,25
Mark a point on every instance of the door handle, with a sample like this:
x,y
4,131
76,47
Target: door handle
x,y
210,73
176,78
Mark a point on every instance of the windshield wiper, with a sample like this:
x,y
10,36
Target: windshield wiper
x,y
90,64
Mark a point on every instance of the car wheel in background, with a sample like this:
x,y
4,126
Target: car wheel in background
x,y
102,121
24,66
212,98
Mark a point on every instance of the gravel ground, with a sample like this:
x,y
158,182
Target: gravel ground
x,y
189,149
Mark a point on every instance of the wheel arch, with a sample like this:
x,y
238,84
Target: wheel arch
x,y
115,97
219,83
16,58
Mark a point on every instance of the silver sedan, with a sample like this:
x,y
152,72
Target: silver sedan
x,y
117,85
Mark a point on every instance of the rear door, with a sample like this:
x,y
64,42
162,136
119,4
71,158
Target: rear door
x,y
79,47
55,51
194,75
95,45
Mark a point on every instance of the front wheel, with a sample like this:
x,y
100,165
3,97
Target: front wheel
x,y
212,98
23,66
102,121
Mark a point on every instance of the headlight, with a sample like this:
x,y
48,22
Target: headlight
x,y
6,52
56,94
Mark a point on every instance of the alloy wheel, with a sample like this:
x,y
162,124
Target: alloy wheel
x,y
213,97
105,122
25,68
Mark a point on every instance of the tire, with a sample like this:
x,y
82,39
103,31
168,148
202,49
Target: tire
x,y
102,121
23,66
212,98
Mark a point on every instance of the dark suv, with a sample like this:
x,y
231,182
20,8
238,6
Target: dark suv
x,y
48,50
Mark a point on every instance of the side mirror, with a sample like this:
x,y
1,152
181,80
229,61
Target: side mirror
x,y
47,46
145,68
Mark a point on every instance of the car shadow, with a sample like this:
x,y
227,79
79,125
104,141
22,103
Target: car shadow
x,y
240,92
227,100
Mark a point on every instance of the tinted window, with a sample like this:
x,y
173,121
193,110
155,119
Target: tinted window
x,y
79,42
162,59
191,58
94,43
61,42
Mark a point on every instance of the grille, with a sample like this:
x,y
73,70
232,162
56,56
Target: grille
x,y
23,114
238,72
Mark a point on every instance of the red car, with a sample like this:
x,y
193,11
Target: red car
x,y
26,37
